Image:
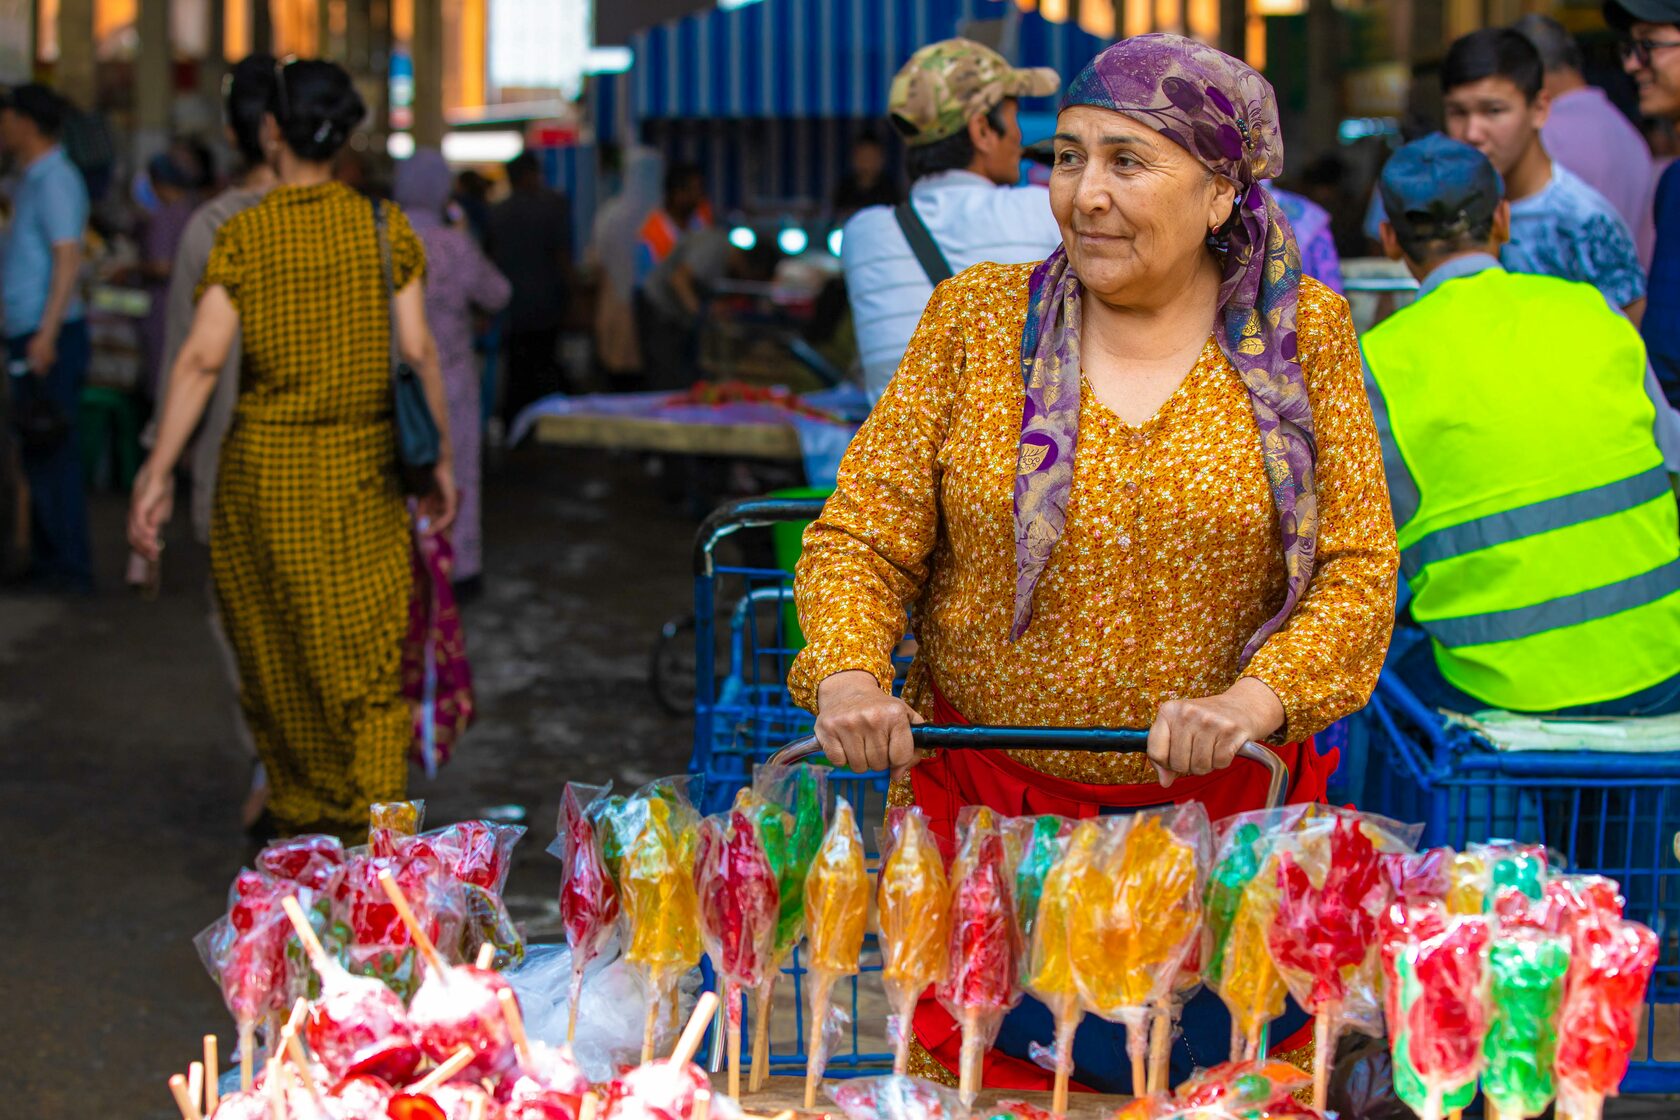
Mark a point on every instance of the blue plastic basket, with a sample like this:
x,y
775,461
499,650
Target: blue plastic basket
x,y
1611,814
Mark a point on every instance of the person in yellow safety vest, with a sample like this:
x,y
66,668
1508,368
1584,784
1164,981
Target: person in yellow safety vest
x,y
1535,513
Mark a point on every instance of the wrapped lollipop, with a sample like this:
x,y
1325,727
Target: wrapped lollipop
x,y
912,908
1241,903
588,895
392,822
895,1097
836,911
1521,868
1610,965
1404,925
984,952
478,855
1073,878
245,951
1040,841
1323,938
358,1025
457,1006
738,903
311,861
659,905
675,1089
791,840
1527,970
1444,991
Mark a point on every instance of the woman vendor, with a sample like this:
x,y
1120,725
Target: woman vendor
x,y
1136,485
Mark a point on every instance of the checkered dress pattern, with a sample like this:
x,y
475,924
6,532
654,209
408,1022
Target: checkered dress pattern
x,y
309,536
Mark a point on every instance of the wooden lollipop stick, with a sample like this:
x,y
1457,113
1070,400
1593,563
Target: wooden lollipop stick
x,y
702,1105
516,1026
1160,1050
195,1082
475,1111
276,1083
968,1077
572,1009
591,1107
1322,1057
421,941
183,1098
695,1032
247,1054
454,1064
765,999
212,1075
1064,1061
486,956
649,1027
300,1060
821,984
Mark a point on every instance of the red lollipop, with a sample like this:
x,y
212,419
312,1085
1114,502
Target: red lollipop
x,y
588,897
358,1026
984,946
309,861
1322,936
739,903
458,1007
1610,966
1447,1022
245,950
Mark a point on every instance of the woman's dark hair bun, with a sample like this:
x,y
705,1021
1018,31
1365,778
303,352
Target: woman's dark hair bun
x,y
317,106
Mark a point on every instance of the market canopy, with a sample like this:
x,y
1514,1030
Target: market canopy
x,y
820,58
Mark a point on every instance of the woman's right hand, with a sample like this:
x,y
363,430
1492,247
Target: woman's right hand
x,y
149,509
861,727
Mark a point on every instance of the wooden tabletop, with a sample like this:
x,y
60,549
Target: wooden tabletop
x,y
788,1093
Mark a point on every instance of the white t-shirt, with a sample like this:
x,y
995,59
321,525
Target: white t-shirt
x,y
971,220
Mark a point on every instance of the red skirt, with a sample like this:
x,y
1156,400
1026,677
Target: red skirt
x,y
950,779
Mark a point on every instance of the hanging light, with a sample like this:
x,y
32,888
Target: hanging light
x,y
743,238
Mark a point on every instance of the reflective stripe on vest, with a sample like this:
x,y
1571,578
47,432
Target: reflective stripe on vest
x,y
1542,543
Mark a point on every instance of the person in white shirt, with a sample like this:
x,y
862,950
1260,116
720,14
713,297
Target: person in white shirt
x,y
954,103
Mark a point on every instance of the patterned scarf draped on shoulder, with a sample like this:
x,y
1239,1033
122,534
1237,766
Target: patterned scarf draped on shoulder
x,y
1224,113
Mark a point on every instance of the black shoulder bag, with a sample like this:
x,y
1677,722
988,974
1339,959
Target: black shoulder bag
x,y
418,441
922,244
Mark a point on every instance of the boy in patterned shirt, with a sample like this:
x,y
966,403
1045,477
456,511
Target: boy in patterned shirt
x,y
1492,85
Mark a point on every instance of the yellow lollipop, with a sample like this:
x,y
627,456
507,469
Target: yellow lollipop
x,y
836,909
660,906
913,900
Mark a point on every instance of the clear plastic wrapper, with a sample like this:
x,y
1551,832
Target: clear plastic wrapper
x,y
657,896
980,983
1609,969
612,1006
738,904
1402,926
655,1091
912,896
1239,966
359,1026
478,855
1444,999
459,1007
1527,970
1513,867
246,951
1331,893
895,1097
588,895
309,861
1048,974
391,822
376,942
1035,844
836,914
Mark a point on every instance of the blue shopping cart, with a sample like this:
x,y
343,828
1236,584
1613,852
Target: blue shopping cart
x,y
1608,813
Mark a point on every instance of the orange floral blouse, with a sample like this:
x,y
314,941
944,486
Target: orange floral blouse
x,y
1170,559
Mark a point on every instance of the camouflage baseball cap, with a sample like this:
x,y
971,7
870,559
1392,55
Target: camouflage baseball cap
x,y
946,84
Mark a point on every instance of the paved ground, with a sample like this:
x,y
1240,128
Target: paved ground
x,y
121,773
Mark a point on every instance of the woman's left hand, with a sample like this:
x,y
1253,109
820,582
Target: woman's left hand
x,y
438,507
1203,735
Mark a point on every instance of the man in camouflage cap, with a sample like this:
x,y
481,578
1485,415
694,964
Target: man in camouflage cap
x,y
946,85
954,105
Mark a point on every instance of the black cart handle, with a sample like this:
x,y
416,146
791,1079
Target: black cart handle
x,y
1090,739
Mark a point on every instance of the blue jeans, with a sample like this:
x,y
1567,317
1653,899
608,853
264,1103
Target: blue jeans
x,y
57,497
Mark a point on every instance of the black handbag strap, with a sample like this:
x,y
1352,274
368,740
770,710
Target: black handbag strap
x,y
385,272
922,244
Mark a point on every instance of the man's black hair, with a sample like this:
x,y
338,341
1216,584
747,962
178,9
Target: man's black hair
x,y
522,166
1428,247
953,153
1493,52
41,105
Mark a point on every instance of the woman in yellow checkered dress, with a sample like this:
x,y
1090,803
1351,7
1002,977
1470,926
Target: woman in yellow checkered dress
x,y
309,536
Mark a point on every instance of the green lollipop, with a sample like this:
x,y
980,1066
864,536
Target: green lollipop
x,y
613,830
808,828
1517,867
1408,1086
1225,893
1043,848
1527,971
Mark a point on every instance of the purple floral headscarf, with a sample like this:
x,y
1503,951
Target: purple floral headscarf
x,y
1224,113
